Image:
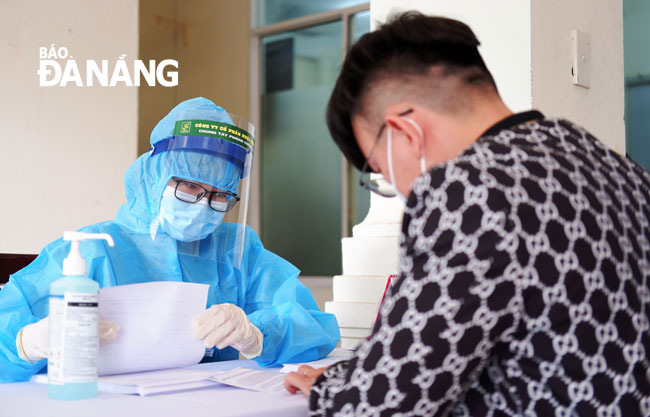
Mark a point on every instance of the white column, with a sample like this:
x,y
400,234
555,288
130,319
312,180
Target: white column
x,y
369,257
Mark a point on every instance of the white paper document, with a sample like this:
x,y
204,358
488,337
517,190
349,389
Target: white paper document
x,y
256,380
152,382
155,326
169,380
337,355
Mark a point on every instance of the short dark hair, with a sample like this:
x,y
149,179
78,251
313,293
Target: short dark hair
x,y
408,44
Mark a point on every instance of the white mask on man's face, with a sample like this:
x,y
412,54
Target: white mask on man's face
x,y
389,144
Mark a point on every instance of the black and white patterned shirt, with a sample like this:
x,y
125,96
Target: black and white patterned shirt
x,y
524,287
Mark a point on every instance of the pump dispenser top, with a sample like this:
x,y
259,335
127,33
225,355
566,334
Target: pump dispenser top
x,y
75,264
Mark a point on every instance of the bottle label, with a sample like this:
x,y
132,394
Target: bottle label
x,y
73,341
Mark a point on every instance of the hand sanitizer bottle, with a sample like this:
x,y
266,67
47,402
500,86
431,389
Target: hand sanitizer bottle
x,y
73,340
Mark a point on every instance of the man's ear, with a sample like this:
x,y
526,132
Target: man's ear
x,y
407,126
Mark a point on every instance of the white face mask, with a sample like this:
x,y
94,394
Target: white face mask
x,y
187,222
389,144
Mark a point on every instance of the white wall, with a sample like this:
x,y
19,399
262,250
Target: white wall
x,y
502,27
600,108
63,150
527,46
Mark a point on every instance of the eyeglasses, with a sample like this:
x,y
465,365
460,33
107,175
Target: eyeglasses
x,y
364,178
191,192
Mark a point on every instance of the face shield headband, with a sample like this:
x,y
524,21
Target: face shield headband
x,y
206,136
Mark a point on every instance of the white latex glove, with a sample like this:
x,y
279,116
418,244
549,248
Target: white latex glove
x,y
227,325
31,342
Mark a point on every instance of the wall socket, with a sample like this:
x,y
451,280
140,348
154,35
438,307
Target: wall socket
x,y
581,57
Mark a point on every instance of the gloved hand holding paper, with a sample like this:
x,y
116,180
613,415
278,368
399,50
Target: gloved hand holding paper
x,y
32,340
227,325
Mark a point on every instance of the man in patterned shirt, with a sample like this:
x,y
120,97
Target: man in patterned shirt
x,y
525,247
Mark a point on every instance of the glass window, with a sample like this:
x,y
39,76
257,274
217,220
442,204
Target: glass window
x,y
274,11
360,197
360,25
303,212
301,165
636,32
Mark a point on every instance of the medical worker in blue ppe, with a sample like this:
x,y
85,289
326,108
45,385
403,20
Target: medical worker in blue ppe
x,y
184,220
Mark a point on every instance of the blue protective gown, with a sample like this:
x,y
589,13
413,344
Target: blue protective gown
x,y
265,286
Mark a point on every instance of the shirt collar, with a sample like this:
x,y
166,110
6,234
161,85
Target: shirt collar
x,y
514,120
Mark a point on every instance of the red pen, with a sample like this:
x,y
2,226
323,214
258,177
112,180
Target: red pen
x,y
389,284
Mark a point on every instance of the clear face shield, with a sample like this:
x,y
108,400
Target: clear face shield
x,y
204,205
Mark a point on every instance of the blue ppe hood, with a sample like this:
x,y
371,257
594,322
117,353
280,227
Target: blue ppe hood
x,y
146,179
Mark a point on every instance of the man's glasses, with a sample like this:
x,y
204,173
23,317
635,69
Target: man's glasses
x,y
191,192
364,178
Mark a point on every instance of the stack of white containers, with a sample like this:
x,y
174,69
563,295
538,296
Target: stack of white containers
x,y
369,257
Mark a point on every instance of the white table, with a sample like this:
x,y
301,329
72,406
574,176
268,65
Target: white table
x,y
28,399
